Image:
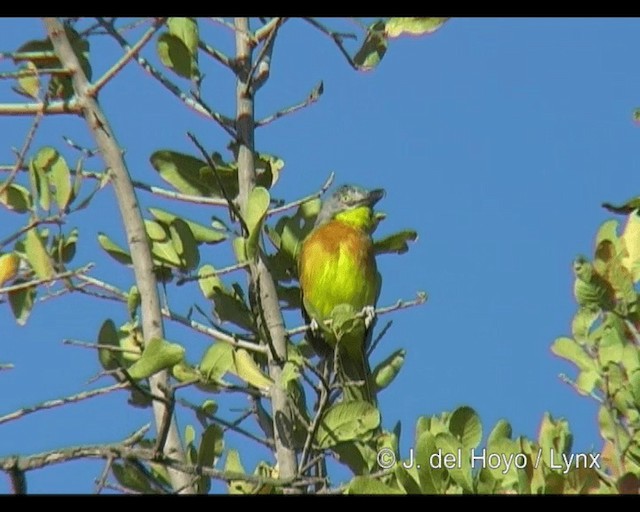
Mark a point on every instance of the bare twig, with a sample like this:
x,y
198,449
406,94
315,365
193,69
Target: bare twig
x,y
228,425
122,62
98,346
295,204
337,38
261,281
50,404
30,109
192,103
232,206
400,304
38,282
102,480
139,248
259,71
310,100
221,272
216,54
231,339
379,337
25,146
54,219
6,366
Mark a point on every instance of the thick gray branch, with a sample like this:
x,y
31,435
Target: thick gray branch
x,y
261,279
134,227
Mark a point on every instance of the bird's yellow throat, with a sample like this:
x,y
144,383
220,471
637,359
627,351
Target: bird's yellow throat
x,y
360,218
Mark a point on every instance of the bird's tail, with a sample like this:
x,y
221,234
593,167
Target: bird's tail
x,y
355,376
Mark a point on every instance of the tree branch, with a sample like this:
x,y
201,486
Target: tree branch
x,y
295,204
261,281
122,62
133,223
314,96
51,404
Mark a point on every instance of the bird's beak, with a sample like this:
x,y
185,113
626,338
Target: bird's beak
x,y
374,196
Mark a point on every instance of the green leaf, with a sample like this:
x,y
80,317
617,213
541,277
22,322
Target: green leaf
x,y
231,307
59,177
185,244
636,115
108,335
157,355
208,281
185,29
395,243
387,370
201,233
502,430
133,300
373,48
182,172
217,360
582,323
233,465
554,438
16,198
211,448
114,250
257,207
130,476
175,55
345,422
396,27
461,470
406,481
368,485
568,349
29,81
587,381
22,301
465,425
590,288
430,473
37,255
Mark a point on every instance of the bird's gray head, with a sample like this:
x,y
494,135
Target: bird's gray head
x,y
347,197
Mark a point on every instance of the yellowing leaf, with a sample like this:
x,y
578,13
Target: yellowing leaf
x,y
412,26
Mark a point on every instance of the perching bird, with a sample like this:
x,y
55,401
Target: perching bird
x,y
337,267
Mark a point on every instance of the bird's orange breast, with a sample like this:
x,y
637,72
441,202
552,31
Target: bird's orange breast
x,y
337,266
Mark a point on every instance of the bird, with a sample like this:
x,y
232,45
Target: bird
x,y
337,271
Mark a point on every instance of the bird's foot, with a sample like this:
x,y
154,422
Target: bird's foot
x,y
369,315
314,326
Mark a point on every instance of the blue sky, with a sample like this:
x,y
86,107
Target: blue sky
x,y
496,139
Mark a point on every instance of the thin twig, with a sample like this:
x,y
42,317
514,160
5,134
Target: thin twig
x,y
400,304
98,346
25,146
122,62
294,204
102,480
216,54
50,404
30,109
217,334
224,423
6,366
232,206
379,337
310,100
54,219
262,61
222,271
337,38
192,103
38,282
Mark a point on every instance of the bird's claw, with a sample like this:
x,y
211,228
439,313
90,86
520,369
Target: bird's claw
x,y
314,326
369,315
